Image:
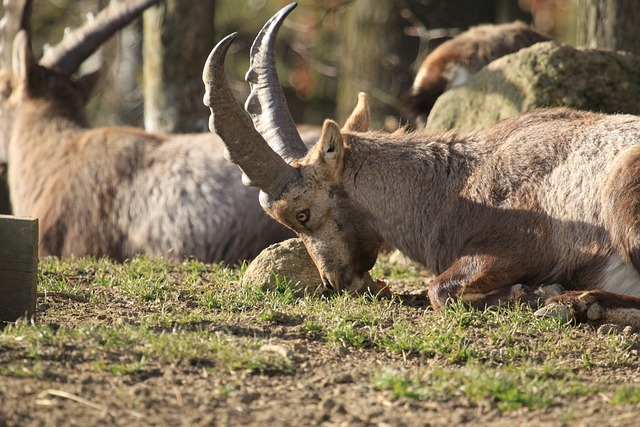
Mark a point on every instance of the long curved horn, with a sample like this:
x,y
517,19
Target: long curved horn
x,y
245,147
17,15
77,45
266,104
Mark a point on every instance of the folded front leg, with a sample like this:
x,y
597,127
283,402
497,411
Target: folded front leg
x,y
595,307
483,281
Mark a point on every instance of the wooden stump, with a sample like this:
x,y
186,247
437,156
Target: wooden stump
x,y
18,267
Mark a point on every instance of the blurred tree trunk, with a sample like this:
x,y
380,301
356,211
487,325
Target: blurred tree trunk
x,y
177,38
377,55
610,24
119,99
369,60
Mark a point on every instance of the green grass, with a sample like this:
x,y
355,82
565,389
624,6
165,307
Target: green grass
x,y
626,394
510,387
138,316
130,349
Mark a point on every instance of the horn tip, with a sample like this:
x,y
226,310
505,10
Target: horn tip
x,y
287,9
217,56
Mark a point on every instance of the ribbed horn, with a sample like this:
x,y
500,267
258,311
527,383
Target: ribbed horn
x,y
266,104
245,147
17,15
77,45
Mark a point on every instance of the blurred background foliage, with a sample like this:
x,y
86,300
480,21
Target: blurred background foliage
x,y
327,51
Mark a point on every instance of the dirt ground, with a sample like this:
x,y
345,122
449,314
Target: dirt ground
x,y
329,385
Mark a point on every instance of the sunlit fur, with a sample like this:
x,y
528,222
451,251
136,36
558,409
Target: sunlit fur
x,y
547,197
550,197
338,234
120,191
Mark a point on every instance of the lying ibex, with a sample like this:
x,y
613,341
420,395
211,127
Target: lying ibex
x,y
456,60
549,197
114,191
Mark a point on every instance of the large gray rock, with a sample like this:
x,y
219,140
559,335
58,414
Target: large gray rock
x,y
547,74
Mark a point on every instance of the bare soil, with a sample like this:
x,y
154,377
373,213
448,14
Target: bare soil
x,y
329,385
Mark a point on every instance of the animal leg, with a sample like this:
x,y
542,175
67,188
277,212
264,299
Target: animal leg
x,y
484,281
595,307
621,206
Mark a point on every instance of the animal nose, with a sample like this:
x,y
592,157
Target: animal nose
x,y
327,284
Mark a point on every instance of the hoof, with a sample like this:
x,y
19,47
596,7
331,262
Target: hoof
x,y
555,311
551,291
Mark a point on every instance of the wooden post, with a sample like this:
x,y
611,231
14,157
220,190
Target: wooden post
x,y
18,267
5,203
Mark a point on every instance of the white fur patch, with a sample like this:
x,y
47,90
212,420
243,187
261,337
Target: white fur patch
x,y
620,277
417,82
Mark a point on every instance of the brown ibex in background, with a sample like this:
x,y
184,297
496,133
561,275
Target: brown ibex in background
x,y
550,197
456,60
114,191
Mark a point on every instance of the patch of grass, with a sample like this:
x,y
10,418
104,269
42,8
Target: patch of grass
x,y
129,349
629,394
22,371
511,388
144,314
347,334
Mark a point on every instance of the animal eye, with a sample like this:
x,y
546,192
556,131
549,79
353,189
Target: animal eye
x,y
303,216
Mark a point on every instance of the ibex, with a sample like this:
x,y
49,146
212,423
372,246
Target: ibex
x,y
550,197
456,60
114,191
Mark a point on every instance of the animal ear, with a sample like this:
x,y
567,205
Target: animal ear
x,y
359,119
22,60
329,150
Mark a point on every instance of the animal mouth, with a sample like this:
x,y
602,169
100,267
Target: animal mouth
x,y
341,282
328,284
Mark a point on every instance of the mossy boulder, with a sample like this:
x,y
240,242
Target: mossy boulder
x,y
547,74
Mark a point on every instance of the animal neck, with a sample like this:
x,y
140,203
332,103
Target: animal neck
x,y
394,181
41,138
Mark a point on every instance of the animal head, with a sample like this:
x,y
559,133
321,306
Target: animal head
x,y
301,189
50,78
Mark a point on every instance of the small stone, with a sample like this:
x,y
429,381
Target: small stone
x,y
327,405
343,379
286,260
278,349
248,397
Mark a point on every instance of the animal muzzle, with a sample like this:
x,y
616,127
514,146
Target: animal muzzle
x,y
342,281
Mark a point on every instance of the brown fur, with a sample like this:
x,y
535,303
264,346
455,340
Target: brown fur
x,y
521,203
119,191
501,215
